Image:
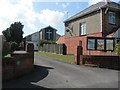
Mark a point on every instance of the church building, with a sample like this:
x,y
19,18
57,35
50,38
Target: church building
x,y
47,33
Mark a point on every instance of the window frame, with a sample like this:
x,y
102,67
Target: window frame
x,y
111,17
83,30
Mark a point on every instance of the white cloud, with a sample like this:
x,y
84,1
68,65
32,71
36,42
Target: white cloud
x,y
64,5
51,17
91,2
56,3
22,11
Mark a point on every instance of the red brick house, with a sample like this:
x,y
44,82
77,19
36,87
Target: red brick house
x,y
99,20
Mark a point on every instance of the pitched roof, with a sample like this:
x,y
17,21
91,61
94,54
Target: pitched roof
x,y
48,27
31,34
94,8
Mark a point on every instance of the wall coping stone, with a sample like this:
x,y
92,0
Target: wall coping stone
x,y
19,52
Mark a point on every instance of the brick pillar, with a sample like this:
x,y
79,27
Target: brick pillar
x,y
30,49
24,41
78,52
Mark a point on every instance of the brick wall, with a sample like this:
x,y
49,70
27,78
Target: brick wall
x,y
111,62
20,63
73,42
61,40
16,66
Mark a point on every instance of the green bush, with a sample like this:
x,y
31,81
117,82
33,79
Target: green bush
x,y
14,46
117,48
41,42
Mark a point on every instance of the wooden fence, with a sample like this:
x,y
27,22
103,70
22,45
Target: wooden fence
x,y
54,48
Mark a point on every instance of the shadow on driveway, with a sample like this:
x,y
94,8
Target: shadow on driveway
x,y
27,81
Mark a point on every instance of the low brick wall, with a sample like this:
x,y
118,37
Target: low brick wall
x,y
17,65
111,62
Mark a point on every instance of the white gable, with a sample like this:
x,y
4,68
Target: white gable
x,y
35,36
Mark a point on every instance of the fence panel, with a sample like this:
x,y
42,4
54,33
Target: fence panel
x,y
53,48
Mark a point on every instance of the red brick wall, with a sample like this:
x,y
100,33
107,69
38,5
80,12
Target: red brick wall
x,y
73,42
10,69
61,40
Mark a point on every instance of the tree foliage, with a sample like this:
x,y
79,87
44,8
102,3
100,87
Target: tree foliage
x,y
41,42
117,48
14,46
14,33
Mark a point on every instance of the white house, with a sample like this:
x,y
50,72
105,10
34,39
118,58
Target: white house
x,y
33,38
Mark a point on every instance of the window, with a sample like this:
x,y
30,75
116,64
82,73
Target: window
x,y
82,28
100,44
109,44
112,17
91,44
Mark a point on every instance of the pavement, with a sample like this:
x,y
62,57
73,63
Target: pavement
x,y
56,74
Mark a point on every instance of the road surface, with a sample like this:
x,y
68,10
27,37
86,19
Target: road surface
x,y
56,74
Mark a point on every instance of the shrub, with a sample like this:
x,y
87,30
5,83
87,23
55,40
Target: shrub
x,y
117,48
14,46
41,42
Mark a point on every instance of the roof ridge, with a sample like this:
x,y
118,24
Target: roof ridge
x,y
47,27
90,9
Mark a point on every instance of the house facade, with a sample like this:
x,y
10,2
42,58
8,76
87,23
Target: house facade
x,y
33,38
99,20
47,33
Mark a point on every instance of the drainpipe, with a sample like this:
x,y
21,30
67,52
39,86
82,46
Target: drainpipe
x,y
106,10
101,20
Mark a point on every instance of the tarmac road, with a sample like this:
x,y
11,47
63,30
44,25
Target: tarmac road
x,y
56,74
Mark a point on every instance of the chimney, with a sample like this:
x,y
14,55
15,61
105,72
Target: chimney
x,y
106,1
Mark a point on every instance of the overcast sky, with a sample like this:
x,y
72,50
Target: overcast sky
x,y
36,14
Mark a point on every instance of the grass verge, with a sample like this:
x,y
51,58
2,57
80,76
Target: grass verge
x,y
64,58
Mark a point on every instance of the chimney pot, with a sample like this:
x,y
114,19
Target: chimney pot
x,y
106,1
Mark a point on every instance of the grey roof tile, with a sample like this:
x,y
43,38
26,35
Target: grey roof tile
x,y
93,8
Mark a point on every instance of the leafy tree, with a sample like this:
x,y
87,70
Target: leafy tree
x,y
117,48
14,33
14,46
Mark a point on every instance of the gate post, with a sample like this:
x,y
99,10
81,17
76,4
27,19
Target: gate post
x,y
30,50
78,52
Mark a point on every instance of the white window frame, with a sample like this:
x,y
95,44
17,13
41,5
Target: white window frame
x,y
82,28
112,17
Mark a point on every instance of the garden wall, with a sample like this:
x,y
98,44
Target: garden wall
x,y
103,61
20,63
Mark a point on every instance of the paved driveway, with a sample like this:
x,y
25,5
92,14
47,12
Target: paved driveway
x,y
55,74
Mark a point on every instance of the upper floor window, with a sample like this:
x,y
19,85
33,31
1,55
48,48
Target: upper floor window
x,y
112,17
82,28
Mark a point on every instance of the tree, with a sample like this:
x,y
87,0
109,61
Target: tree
x,y
14,33
117,48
